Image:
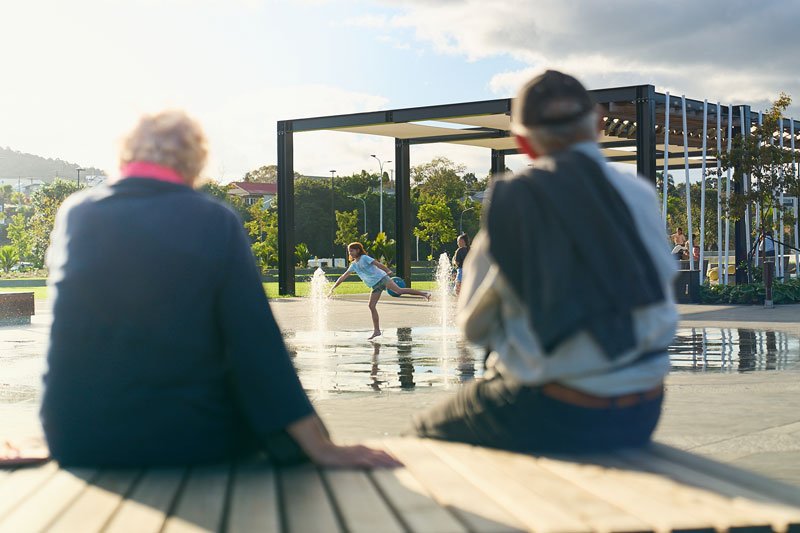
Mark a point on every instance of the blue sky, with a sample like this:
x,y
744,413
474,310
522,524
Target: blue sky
x,y
76,75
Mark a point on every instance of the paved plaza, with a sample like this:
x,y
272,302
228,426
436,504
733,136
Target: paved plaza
x,y
751,419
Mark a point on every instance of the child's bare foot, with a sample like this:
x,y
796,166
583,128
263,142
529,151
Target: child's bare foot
x,y
374,334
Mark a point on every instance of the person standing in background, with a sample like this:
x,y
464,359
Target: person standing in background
x,y
459,257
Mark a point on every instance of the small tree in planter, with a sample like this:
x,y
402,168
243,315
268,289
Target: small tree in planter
x,y
771,170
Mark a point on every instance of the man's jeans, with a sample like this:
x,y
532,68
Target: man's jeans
x,y
496,413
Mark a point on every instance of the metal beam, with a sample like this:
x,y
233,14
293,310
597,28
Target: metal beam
x,y
646,132
341,121
488,134
285,208
617,144
412,114
614,94
465,109
403,214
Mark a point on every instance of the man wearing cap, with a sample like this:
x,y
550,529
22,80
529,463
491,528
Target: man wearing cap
x,y
576,337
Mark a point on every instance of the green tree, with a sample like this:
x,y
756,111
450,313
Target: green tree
x,y
469,216
265,174
357,183
45,203
301,254
19,236
384,249
263,230
435,222
347,227
771,170
6,192
8,257
440,177
315,222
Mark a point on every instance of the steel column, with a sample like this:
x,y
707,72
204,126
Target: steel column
x,y
741,226
646,132
285,208
498,163
403,214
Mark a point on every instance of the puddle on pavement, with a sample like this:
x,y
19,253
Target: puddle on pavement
x,y
411,358
407,359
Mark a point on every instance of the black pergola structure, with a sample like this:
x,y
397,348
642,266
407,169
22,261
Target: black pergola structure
x,y
634,116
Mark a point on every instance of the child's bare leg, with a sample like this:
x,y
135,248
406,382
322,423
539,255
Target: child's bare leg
x,y
396,288
373,308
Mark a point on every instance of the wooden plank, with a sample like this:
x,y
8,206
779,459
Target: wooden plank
x,y
39,509
22,482
714,509
474,507
666,511
543,501
201,503
305,500
97,503
361,506
770,488
254,500
145,510
743,507
418,509
535,512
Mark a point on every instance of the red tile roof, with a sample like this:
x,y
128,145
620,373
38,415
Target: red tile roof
x,y
257,188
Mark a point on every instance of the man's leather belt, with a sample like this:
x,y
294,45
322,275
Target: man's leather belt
x,y
581,399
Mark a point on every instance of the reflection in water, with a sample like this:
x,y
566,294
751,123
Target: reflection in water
x,y
405,362
466,361
408,360
401,359
733,349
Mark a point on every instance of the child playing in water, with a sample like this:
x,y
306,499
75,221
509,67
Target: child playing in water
x,y
376,276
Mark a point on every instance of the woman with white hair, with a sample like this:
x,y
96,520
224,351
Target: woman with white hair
x,y
163,349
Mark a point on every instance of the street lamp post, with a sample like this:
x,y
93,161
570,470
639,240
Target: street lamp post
x,y
380,210
461,219
79,175
365,210
333,214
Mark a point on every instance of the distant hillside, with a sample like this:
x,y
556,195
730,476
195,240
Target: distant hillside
x,y
15,164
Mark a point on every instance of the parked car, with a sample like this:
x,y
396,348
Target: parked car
x,y
22,266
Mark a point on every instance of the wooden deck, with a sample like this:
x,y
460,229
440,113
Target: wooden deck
x,y
444,487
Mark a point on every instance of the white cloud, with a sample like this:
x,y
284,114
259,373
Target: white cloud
x,y
371,21
732,50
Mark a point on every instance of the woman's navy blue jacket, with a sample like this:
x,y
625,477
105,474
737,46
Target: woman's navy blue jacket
x,y
163,348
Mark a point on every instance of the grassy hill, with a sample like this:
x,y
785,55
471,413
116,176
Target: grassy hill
x,y
15,165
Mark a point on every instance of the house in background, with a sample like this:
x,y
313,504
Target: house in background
x,y
253,192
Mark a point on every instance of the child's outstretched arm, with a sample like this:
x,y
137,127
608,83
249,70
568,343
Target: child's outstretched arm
x,y
339,281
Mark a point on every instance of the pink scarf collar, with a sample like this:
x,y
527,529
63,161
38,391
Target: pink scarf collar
x,y
146,169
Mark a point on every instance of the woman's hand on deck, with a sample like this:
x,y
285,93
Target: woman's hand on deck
x,y
353,456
